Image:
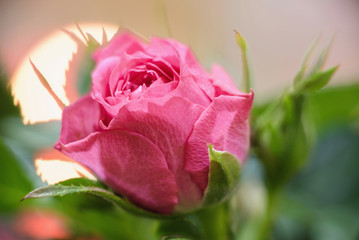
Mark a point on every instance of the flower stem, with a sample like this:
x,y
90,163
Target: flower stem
x,y
215,222
269,217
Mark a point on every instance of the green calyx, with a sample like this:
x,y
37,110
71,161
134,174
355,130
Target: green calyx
x,y
224,173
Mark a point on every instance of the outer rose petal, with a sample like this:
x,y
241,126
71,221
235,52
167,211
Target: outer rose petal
x,y
222,82
130,164
118,45
80,119
224,124
166,122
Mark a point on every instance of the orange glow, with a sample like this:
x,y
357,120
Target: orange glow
x,y
51,56
42,224
54,167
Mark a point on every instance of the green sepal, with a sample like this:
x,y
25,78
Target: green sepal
x,y
304,67
241,42
319,63
86,186
311,79
224,172
316,81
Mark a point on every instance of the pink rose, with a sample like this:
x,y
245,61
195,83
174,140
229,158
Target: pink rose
x,y
144,128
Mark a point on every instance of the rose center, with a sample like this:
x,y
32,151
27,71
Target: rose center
x,y
139,76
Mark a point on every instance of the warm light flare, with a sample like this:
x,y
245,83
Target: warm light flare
x,y
54,167
51,56
54,171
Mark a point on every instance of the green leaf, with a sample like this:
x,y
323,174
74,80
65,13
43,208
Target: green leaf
x,y
224,171
64,189
82,182
317,81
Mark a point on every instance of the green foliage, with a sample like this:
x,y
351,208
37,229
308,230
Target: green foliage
x,y
281,129
321,200
334,106
7,107
224,171
13,182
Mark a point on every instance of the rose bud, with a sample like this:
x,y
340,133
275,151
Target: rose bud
x,y
153,121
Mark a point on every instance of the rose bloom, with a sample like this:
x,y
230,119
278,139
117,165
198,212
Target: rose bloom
x,y
145,127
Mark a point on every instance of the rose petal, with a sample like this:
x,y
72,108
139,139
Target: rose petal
x,y
119,44
166,122
224,124
189,89
191,74
222,82
157,90
80,119
130,164
161,48
189,66
126,63
101,75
